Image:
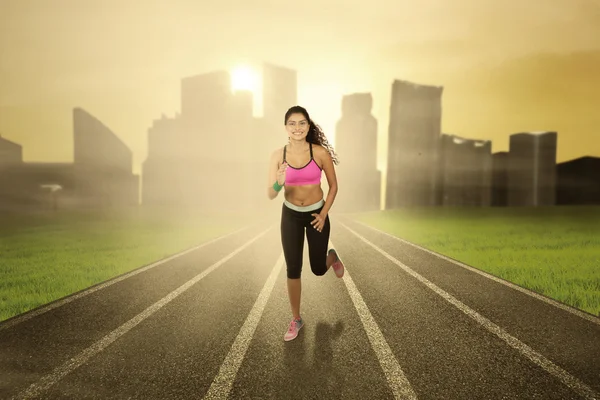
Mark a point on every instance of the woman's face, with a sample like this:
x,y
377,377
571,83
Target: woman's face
x,y
297,126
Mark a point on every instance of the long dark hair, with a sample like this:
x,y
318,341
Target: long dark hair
x,y
315,133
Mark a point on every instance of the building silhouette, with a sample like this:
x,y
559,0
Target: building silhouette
x,y
100,176
95,145
29,185
105,161
280,91
192,157
10,152
160,184
578,181
206,98
532,169
414,131
500,179
356,144
464,172
215,154
183,152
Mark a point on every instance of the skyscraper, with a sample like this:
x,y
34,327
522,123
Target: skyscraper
x,y
532,169
206,98
578,181
500,179
465,171
414,131
280,91
160,169
356,146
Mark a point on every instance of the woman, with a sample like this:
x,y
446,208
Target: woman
x,y
297,167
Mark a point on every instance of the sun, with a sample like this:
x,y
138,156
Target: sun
x,y
244,78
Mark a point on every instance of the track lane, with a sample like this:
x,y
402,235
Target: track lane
x,y
34,347
444,352
568,340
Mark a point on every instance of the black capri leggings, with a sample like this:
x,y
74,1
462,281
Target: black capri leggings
x,y
293,225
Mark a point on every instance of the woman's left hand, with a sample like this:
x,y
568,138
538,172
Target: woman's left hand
x,y
319,222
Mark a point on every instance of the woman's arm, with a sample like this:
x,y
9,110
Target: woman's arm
x,y
329,170
276,172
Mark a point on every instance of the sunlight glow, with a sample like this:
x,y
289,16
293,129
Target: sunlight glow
x,y
244,78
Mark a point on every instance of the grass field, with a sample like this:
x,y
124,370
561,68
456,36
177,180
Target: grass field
x,y
554,251
46,256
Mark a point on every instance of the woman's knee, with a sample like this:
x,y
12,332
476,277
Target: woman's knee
x,y
318,265
294,272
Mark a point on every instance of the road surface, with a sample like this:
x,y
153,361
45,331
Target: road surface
x,y
403,323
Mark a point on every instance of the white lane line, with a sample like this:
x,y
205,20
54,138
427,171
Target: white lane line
x,y
47,381
569,380
579,313
34,313
223,382
396,379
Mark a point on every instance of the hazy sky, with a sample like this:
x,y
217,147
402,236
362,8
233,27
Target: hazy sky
x,y
123,61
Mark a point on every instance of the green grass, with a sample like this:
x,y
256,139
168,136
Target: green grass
x,y
47,256
553,251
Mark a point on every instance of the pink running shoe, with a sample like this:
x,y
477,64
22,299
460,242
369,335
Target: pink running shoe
x,y
337,265
293,329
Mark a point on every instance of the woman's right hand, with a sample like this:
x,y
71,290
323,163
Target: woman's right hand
x,y
281,173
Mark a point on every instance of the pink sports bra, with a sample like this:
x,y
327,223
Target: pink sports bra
x,y
310,174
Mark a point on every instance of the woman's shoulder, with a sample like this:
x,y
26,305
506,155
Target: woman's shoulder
x,y
319,150
317,147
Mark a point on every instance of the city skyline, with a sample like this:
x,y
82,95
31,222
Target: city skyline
x,y
428,166
382,130
490,91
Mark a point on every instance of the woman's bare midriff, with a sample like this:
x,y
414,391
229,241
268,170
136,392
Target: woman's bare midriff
x,y
304,195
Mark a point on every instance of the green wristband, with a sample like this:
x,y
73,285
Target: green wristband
x,y
277,186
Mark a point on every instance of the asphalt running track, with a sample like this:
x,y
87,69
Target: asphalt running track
x,y
403,323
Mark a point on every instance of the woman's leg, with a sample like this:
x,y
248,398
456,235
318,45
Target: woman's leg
x,y
320,259
292,240
317,247
294,287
